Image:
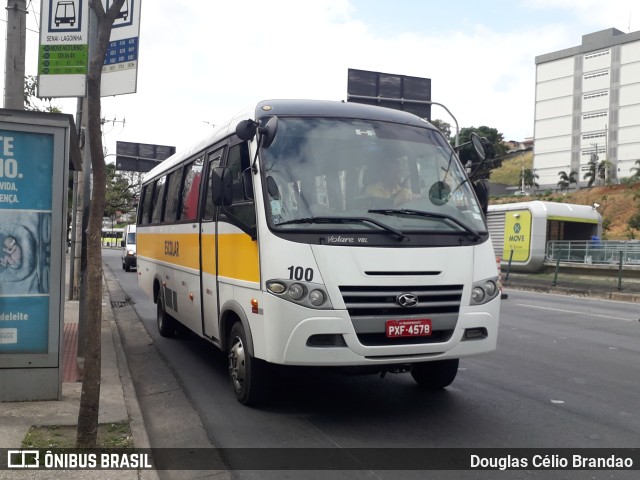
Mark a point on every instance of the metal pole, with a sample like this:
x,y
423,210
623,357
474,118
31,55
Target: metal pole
x,y
74,217
15,53
555,276
417,102
620,272
509,266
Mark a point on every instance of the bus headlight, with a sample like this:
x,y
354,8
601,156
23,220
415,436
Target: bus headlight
x,y
296,291
311,295
490,287
477,295
484,291
316,298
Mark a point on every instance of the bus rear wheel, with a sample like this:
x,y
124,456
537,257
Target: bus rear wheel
x,y
167,325
435,375
249,375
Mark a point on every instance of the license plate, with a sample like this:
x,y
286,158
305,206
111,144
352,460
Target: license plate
x,y
408,328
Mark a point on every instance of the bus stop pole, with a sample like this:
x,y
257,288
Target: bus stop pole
x,y
620,272
555,275
509,266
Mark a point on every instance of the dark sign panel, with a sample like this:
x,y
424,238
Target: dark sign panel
x,y
140,157
401,92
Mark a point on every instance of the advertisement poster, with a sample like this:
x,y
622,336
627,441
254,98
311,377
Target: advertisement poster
x,y
26,169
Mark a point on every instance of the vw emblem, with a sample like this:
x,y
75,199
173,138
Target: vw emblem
x,y
407,300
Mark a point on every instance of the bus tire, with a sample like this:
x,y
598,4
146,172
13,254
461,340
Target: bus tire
x,y
435,375
249,375
167,325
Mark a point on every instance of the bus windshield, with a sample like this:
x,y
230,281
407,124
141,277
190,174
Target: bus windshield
x,y
336,173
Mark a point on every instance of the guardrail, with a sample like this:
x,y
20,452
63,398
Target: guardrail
x,y
611,252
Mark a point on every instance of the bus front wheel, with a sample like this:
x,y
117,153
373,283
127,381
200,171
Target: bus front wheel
x,y
435,375
249,375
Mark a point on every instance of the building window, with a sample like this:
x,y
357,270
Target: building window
x,y
602,73
587,116
602,93
588,136
597,54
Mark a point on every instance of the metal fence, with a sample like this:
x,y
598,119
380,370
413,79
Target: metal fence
x,y
594,252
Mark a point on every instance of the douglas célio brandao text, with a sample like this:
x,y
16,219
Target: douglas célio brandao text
x,y
552,462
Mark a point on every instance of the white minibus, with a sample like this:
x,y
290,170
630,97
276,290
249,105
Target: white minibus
x,y
321,234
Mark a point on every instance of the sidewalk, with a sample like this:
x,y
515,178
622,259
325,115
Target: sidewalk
x,y
118,401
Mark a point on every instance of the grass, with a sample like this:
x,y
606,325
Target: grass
x,y
111,435
509,172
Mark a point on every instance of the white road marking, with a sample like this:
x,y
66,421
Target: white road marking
x,y
573,311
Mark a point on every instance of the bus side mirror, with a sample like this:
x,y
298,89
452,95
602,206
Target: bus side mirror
x,y
246,129
221,186
268,132
122,243
479,146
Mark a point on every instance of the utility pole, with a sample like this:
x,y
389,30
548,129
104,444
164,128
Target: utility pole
x,y
522,182
15,54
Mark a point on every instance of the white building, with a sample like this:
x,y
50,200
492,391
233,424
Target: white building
x,y
588,102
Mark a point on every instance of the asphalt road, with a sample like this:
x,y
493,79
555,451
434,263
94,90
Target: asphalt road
x,y
565,375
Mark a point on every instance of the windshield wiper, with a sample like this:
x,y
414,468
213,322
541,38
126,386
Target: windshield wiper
x,y
378,224
420,213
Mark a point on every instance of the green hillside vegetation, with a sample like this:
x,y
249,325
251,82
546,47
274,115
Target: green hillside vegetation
x,y
509,172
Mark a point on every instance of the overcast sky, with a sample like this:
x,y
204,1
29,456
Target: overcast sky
x,y
201,61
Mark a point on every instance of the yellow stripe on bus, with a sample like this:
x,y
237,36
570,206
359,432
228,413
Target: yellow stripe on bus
x,y
181,249
238,257
238,254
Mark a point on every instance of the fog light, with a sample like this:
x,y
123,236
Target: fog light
x,y
475,333
316,298
296,291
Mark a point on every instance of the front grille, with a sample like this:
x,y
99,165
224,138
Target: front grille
x,y
370,307
382,301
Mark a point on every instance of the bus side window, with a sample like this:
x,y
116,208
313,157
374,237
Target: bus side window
x,y
242,208
171,211
145,205
209,208
191,189
158,200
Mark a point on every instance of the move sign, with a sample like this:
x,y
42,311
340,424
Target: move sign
x,y
517,235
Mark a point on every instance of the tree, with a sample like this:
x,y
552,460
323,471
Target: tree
x,y
34,104
120,194
566,180
573,178
495,149
591,174
603,168
563,183
529,178
636,169
444,127
86,435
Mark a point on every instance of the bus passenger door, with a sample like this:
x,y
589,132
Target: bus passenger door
x,y
208,254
